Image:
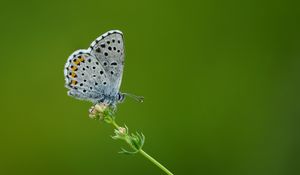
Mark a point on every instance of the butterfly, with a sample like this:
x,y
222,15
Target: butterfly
x,y
95,74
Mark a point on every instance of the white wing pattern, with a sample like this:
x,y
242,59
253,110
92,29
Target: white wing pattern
x,y
95,74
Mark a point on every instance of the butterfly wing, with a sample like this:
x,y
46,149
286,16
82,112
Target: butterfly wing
x,y
109,51
85,78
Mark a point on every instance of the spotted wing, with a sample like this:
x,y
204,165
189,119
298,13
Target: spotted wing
x,y
85,78
109,51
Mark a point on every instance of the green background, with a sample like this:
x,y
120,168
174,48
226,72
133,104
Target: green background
x,y
220,81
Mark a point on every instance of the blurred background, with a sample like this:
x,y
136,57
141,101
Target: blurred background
x,y
220,81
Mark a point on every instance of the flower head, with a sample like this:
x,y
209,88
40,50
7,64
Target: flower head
x,y
92,113
100,107
122,130
97,111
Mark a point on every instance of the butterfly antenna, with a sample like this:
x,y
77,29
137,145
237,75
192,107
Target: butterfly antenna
x,y
135,97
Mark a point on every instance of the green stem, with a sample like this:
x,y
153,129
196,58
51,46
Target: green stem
x,y
115,124
155,162
146,155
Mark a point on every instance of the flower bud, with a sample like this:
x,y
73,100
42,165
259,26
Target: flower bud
x,y
100,107
92,110
92,116
92,113
122,130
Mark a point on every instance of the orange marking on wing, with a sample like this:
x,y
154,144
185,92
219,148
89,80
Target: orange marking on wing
x,y
73,75
73,82
76,61
81,59
74,68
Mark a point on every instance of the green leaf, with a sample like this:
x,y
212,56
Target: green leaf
x,y
124,151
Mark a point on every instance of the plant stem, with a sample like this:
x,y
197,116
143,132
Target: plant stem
x,y
115,124
155,162
145,154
